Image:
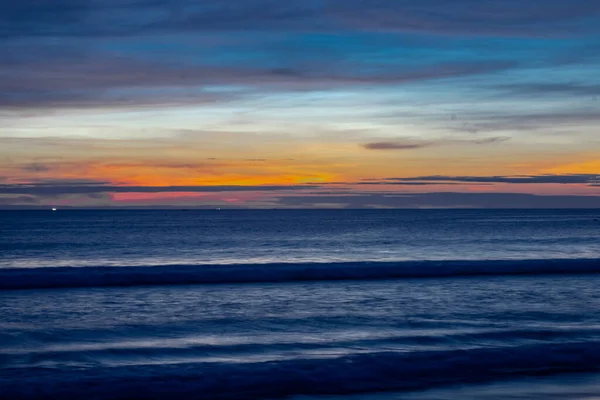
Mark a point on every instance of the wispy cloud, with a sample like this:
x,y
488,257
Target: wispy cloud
x,y
36,167
494,139
412,144
396,145
92,80
60,187
515,179
580,89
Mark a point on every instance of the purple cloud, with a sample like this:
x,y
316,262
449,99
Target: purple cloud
x,y
96,80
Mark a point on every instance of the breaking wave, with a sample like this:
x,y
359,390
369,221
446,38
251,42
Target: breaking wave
x,y
359,373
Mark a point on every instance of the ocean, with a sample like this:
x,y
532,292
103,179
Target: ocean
x,y
300,304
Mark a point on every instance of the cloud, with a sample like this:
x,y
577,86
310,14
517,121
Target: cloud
x,y
97,80
146,53
556,179
36,167
248,65
493,121
73,18
402,183
495,139
18,200
395,146
471,17
516,179
87,79
570,89
304,199
410,144
82,193
70,187
65,182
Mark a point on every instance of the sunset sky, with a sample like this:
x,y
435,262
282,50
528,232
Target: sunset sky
x,y
299,103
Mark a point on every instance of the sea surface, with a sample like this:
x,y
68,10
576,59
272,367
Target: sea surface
x,y
298,304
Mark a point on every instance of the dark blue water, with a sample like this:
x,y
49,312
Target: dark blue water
x,y
120,238
415,304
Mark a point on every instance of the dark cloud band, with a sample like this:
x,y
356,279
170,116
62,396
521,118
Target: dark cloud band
x,y
586,179
59,189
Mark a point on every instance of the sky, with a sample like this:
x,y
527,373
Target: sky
x,y
300,103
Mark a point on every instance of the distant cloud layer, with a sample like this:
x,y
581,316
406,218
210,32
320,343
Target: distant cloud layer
x,y
520,179
88,193
345,200
62,187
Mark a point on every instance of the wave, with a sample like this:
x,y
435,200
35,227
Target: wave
x,y
359,373
145,351
74,277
